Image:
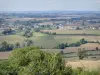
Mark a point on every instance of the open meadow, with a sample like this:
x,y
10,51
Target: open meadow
x,y
86,31
47,41
12,38
73,39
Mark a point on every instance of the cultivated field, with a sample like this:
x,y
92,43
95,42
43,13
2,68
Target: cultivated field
x,y
12,38
74,31
73,39
85,64
47,41
26,19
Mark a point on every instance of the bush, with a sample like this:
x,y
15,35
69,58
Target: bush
x,y
37,30
28,34
4,46
31,60
54,33
82,53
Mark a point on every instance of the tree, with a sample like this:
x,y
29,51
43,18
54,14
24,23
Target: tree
x,y
97,48
81,53
78,28
17,45
61,46
4,46
74,45
28,34
54,33
32,61
37,30
20,28
83,23
66,45
83,41
28,42
7,31
2,21
4,67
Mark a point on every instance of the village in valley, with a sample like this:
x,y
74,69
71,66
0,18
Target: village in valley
x,y
49,37
50,30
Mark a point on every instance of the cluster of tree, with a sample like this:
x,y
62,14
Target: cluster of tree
x,y
36,29
58,19
78,28
32,61
28,42
54,33
64,45
82,53
8,31
4,46
94,42
20,28
82,41
49,27
25,43
27,23
28,33
2,21
30,15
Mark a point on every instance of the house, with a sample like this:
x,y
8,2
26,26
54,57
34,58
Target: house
x,y
61,27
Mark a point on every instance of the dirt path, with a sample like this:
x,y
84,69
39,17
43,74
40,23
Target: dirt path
x,y
4,55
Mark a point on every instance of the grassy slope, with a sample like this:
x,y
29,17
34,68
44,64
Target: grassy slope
x,y
44,40
12,38
47,41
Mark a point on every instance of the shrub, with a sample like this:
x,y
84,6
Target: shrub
x,y
82,53
54,33
32,61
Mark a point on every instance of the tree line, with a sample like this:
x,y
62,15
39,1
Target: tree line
x,y
64,45
5,46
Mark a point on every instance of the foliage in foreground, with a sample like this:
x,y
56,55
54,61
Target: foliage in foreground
x,y
32,61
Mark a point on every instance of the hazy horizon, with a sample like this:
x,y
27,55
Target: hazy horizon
x,y
50,5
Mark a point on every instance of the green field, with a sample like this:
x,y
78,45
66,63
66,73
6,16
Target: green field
x,y
44,41
47,41
41,40
12,38
73,39
89,31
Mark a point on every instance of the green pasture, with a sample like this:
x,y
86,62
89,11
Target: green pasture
x,y
74,39
12,38
41,40
88,31
45,40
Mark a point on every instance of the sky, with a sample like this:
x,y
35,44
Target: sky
x,y
49,5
